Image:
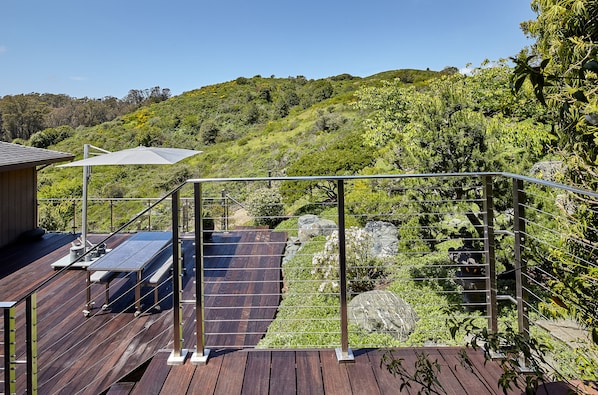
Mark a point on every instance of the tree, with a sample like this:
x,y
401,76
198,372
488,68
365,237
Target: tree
x,y
265,206
50,136
563,70
344,157
208,132
22,115
457,124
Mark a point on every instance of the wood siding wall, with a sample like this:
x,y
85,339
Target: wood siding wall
x,y
18,205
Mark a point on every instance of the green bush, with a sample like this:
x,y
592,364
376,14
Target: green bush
x,y
265,206
51,136
363,269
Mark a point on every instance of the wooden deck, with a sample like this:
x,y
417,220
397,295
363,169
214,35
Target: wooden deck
x,y
113,352
292,372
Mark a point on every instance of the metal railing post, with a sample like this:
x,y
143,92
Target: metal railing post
x,y
178,355
519,231
74,216
200,355
111,215
149,216
224,222
185,216
10,372
344,354
31,331
489,245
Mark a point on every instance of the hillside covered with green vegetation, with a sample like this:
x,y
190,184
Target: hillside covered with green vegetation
x,y
246,127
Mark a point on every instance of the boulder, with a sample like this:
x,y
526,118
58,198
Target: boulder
x,y
383,312
547,170
385,236
311,225
293,245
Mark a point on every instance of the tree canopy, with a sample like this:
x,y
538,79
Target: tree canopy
x,y
562,66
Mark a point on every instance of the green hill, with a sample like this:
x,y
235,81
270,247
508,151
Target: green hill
x,y
246,127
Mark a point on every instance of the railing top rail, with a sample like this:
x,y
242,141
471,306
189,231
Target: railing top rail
x,y
529,179
551,184
336,178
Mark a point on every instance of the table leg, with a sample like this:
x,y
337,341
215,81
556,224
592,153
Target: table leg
x,y
86,311
138,294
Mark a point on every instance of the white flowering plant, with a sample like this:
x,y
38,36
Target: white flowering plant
x,y
364,270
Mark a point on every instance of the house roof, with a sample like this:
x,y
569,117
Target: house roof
x,y
14,157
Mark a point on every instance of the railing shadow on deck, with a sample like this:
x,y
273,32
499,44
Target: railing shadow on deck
x,y
478,245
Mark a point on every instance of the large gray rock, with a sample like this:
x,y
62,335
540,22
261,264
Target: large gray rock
x,y
383,312
293,245
311,225
385,238
547,170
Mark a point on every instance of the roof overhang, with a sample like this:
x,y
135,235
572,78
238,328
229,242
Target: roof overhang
x,y
16,157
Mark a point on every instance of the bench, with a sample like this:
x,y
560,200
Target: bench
x,y
155,275
100,277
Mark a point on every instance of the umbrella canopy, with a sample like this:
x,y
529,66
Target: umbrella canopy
x,y
133,156
137,156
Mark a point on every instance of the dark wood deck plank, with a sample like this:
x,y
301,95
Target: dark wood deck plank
x,y
487,371
387,383
450,383
257,374
121,389
179,383
78,354
409,357
102,357
206,377
234,366
234,290
361,375
154,376
283,376
334,375
19,255
467,378
309,373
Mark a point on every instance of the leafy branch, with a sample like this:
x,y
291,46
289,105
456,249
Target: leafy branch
x,y
426,372
521,358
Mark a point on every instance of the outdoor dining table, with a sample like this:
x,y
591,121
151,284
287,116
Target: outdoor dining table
x,y
131,256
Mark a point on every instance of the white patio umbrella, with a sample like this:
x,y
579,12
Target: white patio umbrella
x,y
136,156
133,156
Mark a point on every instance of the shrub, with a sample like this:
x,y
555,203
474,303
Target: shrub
x,y
51,136
363,269
208,132
266,207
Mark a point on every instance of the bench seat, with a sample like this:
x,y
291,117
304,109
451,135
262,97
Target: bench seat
x,y
155,275
102,277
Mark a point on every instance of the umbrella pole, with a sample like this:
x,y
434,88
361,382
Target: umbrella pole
x,y
84,200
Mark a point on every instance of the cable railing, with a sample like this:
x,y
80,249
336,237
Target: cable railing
x,y
105,215
310,297
369,262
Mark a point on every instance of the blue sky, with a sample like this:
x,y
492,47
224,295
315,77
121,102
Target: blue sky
x,y
106,48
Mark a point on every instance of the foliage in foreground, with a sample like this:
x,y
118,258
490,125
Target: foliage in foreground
x,y
562,67
521,360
